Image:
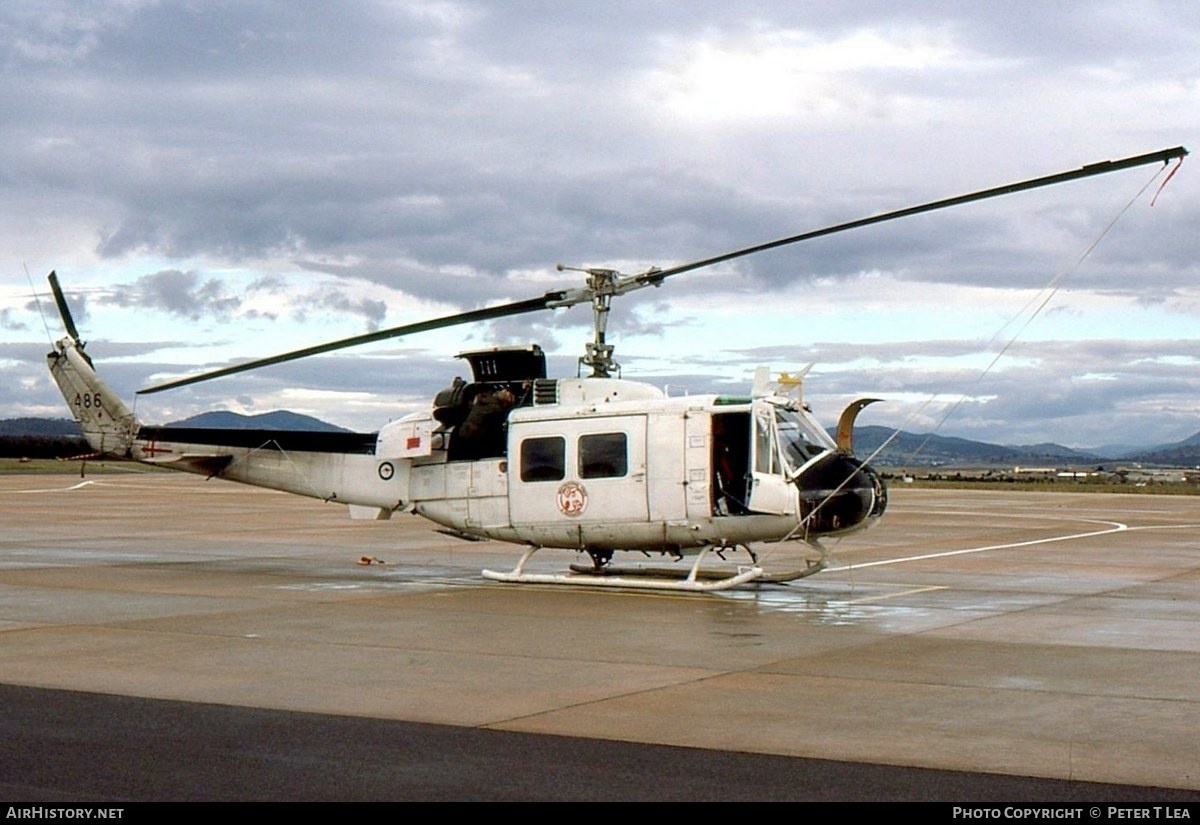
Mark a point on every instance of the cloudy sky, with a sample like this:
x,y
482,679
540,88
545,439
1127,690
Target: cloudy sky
x,y
217,181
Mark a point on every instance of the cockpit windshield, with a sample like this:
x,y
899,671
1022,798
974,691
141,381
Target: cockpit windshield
x,y
800,437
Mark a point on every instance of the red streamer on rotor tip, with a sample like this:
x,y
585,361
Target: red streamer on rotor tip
x,y
1170,175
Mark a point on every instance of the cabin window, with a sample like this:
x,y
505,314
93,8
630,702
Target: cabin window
x,y
544,459
603,455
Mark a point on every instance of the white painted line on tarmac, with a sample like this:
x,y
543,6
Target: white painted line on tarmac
x,y
58,489
911,591
1117,527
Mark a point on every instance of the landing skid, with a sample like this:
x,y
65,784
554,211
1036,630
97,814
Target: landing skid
x,y
654,578
792,575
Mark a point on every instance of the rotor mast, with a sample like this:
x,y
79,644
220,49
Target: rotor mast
x,y
599,353
602,286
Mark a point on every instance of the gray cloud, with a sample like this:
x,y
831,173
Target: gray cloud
x,y
184,294
448,150
330,297
8,320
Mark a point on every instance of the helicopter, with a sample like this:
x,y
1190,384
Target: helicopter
x,y
595,463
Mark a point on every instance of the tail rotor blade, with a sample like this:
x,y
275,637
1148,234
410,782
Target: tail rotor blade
x,y
63,310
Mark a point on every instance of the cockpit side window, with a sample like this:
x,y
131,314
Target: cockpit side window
x,y
800,438
766,460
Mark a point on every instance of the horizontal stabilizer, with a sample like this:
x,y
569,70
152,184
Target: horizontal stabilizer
x,y
209,465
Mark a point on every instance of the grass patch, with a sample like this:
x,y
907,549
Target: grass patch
x,y
55,466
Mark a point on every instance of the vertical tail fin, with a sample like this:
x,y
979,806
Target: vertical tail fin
x,y
108,425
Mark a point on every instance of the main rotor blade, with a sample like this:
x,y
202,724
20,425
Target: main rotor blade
x,y
486,314
1101,168
552,300
64,311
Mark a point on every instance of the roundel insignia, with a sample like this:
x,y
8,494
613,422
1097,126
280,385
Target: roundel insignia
x,y
572,499
386,471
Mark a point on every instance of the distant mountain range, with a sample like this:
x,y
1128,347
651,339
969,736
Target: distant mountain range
x,y
38,427
928,450
278,420
905,450
62,438
1184,453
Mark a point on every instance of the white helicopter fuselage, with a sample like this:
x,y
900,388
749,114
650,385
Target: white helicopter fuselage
x,y
610,465
592,464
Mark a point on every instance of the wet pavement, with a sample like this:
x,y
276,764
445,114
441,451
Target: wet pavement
x,y
1040,635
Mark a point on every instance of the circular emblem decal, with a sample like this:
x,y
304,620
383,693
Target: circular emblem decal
x,y
386,471
572,499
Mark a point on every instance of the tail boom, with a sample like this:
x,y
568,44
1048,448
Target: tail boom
x,y
109,426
